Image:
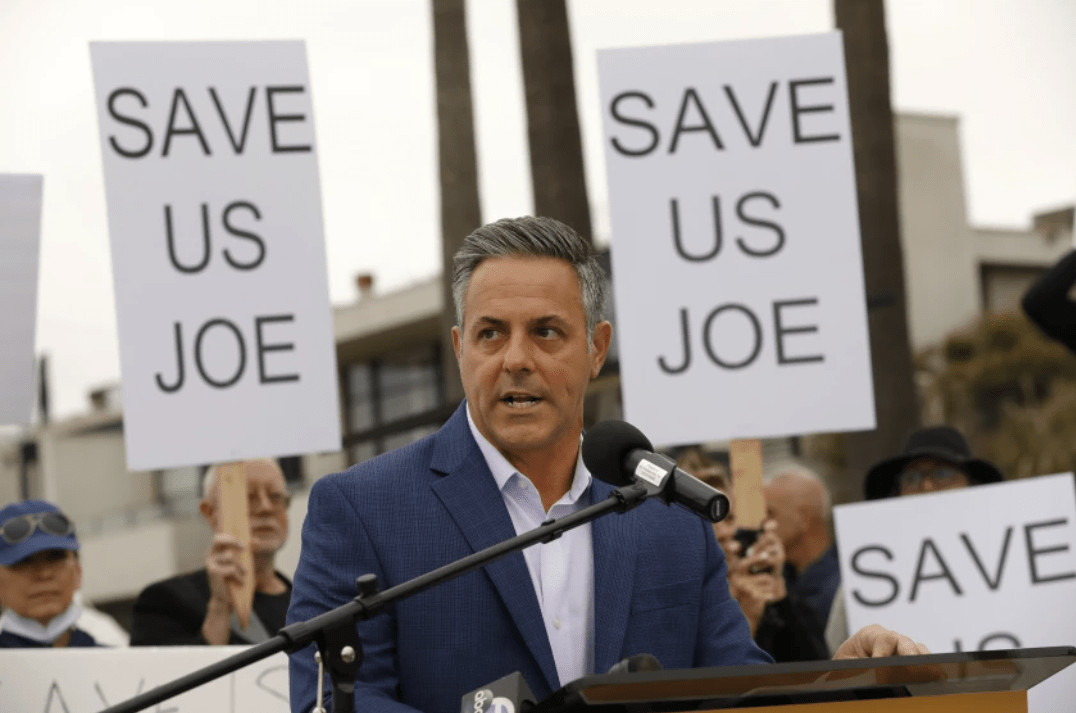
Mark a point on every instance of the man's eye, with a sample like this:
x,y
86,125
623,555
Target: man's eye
x,y
488,334
547,332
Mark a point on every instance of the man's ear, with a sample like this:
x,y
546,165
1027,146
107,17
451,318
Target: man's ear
x,y
603,336
456,342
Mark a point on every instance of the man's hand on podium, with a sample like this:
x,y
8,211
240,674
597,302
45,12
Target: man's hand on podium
x,y
875,641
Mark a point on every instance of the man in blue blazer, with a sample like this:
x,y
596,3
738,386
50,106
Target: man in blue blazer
x,y
529,299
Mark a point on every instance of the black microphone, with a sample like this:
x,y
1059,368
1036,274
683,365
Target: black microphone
x,y
619,454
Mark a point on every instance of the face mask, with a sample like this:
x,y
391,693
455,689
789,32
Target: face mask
x,y
33,630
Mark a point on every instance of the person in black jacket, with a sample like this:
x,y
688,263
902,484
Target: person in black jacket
x,y
197,608
1048,305
782,624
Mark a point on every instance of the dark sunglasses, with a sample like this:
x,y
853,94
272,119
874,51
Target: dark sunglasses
x,y
914,477
18,529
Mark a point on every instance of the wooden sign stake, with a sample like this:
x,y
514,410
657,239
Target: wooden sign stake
x,y
745,457
235,520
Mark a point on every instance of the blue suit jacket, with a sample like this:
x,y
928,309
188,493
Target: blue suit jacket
x,y
660,582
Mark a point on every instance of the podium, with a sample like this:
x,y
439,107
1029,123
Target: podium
x,y
973,682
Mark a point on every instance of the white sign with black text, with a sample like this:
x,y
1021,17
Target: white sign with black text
x,y
218,254
736,260
20,239
989,567
90,680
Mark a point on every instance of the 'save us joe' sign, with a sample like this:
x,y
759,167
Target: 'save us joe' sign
x,y
218,254
737,267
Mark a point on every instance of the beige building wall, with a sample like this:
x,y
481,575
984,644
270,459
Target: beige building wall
x,y
940,271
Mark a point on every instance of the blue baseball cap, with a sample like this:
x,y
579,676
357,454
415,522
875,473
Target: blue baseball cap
x,y
49,534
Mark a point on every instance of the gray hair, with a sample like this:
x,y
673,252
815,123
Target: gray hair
x,y
533,237
824,502
212,473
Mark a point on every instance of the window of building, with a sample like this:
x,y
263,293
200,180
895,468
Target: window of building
x,y
393,400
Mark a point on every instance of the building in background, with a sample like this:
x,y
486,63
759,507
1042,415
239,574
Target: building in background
x,y
138,527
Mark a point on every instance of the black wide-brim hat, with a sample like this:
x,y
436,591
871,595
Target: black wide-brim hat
x,y
942,442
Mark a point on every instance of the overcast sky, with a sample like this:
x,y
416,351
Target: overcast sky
x,y
1005,67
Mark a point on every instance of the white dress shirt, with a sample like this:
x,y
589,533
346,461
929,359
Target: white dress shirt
x,y
562,571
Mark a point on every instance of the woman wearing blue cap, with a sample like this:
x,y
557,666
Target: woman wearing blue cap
x,y
39,575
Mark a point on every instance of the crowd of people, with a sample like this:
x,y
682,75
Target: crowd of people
x,y
40,576
529,299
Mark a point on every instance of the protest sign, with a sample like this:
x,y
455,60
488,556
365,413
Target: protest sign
x,y
20,236
737,267
218,256
988,567
89,680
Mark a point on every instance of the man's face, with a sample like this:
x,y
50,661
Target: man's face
x,y
41,586
926,475
267,503
523,354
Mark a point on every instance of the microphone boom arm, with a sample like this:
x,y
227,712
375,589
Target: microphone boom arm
x,y
334,631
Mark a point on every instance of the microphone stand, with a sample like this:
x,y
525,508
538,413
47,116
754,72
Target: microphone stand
x,y
334,631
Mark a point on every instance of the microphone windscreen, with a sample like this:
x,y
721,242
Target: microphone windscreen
x,y
606,445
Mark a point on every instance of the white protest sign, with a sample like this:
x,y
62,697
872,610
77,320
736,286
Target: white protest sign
x,y
989,567
89,680
737,267
218,255
20,235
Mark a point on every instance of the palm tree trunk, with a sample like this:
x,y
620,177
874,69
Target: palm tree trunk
x,y
866,55
460,212
556,150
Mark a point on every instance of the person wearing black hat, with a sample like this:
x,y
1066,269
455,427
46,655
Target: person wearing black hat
x,y
934,458
39,575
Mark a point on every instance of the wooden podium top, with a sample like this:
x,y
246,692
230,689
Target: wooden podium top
x,y
816,682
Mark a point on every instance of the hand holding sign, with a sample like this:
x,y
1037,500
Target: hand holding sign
x,y
226,574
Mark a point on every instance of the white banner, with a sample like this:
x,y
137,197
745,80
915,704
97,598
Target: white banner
x,y
989,567
737,266
20,237
218,255
90,680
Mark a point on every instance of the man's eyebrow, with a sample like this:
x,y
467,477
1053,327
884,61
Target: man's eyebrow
x,y
550,319
490,322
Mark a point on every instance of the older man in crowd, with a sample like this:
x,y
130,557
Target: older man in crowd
x,y
782,624
39,575
198,608
797,500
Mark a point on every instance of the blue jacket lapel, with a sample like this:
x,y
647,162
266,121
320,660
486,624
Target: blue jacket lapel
x,y
614,577
469,493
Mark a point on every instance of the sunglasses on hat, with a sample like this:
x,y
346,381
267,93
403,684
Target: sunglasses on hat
x,y
18,529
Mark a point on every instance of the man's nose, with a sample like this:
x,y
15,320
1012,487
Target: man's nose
x,y
518,354
42,570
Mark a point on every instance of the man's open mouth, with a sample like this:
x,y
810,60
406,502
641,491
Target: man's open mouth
x,y
521,400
